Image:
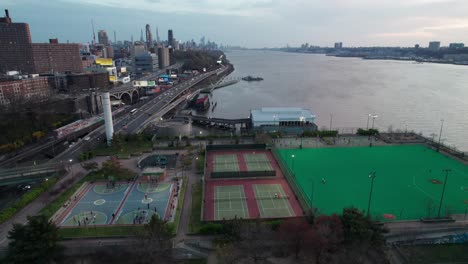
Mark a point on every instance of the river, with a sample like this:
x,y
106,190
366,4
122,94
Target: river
x,y
404,95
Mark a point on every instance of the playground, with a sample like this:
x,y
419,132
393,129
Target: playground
x,y
402,182
117,203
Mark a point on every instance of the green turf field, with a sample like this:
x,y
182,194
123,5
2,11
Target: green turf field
x,y
408,183
230,202
272,201
225,163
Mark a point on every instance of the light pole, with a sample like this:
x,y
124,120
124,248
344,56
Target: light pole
x,y
331,120
440,133
373,120
368,116
372,177
292,162
71,167
443,190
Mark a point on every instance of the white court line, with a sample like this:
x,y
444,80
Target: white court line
x,y
417,186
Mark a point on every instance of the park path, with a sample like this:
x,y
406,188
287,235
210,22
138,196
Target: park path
x,y
75,172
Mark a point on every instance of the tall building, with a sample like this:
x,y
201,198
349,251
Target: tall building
x,y
158,41
338,45
103,38
56,57
170,38
149,37
163,56
434,45
147,62
456,45
17,52
15,46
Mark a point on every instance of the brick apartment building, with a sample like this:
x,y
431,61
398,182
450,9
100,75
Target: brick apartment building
x,y
23,90
18,53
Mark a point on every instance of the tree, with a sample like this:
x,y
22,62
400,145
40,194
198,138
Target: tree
x,y
154,243
296,233
327,236
111,166
90,166
361,229
34,242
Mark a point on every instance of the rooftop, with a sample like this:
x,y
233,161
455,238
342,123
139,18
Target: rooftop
x,y
270,114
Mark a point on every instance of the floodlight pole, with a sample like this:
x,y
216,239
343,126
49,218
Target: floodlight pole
x,y
372,177
368,116
443,190
440,133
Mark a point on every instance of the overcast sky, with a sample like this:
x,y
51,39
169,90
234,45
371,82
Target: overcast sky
x,y
251,23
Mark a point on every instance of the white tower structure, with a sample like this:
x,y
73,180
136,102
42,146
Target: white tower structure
x,y
106,105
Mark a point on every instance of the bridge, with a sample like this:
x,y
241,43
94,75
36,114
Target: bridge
x,y
25,174
243,122
130,94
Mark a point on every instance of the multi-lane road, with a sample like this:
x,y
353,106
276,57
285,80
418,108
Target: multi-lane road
x,y
137,121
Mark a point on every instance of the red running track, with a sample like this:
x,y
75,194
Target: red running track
x,y
247,183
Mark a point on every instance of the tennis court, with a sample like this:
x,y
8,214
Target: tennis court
x,y
225,163
407,180
230,202
272,201
96,206
257,162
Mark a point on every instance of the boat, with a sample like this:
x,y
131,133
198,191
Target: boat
x,y
251,78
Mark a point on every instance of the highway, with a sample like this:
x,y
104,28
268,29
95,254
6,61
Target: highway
x,y
134,123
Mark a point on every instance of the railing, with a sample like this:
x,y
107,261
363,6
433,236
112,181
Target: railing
x,y
302,197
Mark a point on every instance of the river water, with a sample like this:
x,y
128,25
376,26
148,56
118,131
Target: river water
x,y
404,95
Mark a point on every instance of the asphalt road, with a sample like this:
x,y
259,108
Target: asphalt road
x,y
132,123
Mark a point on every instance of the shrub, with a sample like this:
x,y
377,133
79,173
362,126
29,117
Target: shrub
x,y
211,229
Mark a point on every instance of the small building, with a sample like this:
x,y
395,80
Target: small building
x,y
153,173
286,120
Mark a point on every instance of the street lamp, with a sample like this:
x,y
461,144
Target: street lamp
x,y
331,120
440,133
372,177
443,190
368,116
373,120
292,162
71,167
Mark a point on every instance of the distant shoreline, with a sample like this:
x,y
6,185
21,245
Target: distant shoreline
x,y
370,57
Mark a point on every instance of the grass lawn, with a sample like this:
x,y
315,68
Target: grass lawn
x,y
125,151
195,215
180,204
407,185
107,231
443,253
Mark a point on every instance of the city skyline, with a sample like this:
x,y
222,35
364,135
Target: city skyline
x,y
274,23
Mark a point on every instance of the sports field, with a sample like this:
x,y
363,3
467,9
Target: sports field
x,y
230,202
103,204
226,163
257,162
408,180
96,206
272,201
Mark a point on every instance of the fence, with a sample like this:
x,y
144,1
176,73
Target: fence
x,y
242,174
235,147
292,181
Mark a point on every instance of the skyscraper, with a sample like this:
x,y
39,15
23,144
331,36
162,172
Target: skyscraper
x,y
103,38
170,38
149,37
158,41
15,46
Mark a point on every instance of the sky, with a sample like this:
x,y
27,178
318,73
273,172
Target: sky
x,y
251,23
